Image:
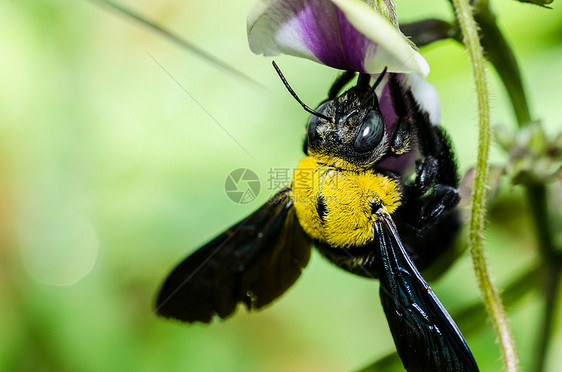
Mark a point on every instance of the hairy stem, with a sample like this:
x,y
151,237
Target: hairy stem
x,y
478,209
499,53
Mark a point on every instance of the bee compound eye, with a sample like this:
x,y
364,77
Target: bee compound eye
x,y
312,124
371,132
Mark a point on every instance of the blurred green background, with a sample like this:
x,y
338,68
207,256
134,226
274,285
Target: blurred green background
x,y
110,174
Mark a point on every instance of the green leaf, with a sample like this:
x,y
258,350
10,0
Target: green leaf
x,y
542,3
428,31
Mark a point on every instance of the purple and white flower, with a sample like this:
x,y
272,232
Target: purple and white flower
x,y
346,35
343,34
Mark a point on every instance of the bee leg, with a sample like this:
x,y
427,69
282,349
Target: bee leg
x,y
426,173
401,138
442,199
340,82
428,220
428,197
425,176
429,226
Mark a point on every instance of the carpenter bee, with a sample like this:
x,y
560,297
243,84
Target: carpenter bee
x,y
362,216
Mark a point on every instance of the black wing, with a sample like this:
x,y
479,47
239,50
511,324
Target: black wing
x,y
253,262
426,337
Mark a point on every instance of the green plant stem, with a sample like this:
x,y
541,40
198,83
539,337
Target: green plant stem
x,y
551,287
500,54
478,209
551,271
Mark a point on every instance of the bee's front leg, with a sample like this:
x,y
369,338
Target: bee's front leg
x,y
427,201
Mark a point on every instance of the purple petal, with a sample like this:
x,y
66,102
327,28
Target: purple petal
x,y
343,34
340,46
426,96
403,164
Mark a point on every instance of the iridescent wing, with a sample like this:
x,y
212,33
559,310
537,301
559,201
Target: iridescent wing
x,y
253,262
426,337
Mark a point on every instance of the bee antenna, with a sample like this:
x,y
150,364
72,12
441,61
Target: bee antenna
x,y
372,92
304,106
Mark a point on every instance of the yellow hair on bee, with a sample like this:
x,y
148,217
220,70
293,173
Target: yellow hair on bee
x,y
335,205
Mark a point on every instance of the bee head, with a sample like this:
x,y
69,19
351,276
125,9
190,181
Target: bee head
x,y
350,127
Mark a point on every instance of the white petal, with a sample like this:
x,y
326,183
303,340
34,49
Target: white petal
x,y
426,95
393,50
273,29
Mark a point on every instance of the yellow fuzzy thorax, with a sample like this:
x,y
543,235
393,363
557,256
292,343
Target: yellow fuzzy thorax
x,y
347,194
